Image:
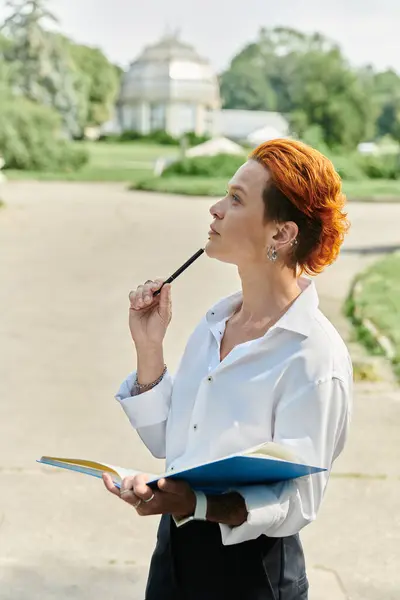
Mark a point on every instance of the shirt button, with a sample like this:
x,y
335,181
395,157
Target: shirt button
x,y
210,378
213,313
195,427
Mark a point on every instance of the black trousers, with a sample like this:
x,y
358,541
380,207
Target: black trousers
x,y
191,563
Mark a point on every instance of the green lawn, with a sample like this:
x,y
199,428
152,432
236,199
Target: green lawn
x,y
377,299
368,190
134,161
108,162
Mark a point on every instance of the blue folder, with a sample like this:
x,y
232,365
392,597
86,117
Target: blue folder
x,y
216,476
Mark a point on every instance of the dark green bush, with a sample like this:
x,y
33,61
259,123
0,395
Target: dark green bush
x,y
221,165
157,137
193,139
30,139
348,166
384,166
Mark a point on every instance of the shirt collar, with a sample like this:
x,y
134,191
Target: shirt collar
x,y
296,319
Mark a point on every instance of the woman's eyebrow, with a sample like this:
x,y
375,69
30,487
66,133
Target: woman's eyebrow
x,y
236,187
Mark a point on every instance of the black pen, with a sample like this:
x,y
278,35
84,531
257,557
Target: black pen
x,y
181,269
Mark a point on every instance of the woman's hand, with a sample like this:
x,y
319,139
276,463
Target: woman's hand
x,y
172,497
150,316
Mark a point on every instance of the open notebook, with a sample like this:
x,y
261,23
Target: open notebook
x,y
266,463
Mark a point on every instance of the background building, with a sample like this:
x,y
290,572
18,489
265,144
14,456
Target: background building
x,y
171,87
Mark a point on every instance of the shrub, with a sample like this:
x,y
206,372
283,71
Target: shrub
x,y
193,139
30,138
221,165
384,166
348,166
157,137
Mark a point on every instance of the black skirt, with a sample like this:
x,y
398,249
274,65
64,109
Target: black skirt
x,y
191,563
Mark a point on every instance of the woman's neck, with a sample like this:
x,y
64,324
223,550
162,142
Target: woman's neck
x,y
267,291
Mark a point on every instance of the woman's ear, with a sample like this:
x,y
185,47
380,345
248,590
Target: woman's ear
x,y
286,233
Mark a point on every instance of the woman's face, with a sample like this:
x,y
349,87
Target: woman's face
x,y
238,232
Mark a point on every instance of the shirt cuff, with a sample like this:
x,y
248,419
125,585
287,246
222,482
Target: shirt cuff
x,y
149,408
267,507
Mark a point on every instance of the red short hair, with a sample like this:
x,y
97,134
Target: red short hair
x,y
306,188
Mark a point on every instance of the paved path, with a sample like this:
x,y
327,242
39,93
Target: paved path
x,y
69,254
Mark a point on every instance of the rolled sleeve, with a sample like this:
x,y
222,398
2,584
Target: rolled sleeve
x,y
314,425
267,507
149,408
148,412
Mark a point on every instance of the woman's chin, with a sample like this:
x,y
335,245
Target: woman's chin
x,y
210,248
214,250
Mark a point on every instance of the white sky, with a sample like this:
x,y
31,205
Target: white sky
x,y
367,30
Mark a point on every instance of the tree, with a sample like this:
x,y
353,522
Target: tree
x,y
387,99
100,79
44,72
305,77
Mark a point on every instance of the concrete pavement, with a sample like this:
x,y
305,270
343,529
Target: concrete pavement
x,y
69,254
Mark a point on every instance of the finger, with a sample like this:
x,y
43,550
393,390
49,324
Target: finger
x,y
148,291
127,484
139,303
130,498
134,300
141,489
172,487
165,301
108,482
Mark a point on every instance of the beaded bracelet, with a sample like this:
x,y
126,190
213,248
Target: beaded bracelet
x,y
145,387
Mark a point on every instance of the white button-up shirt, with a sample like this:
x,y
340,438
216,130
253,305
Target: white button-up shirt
x,y
292,386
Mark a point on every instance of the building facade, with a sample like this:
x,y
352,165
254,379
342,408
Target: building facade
x,y
170,87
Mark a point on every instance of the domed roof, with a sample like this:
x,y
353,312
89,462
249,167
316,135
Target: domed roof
x,y
170,70
170,47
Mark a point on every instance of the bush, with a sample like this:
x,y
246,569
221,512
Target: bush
x,y
348,166
156,137
193,139
30,139
384,166
221,165
188,186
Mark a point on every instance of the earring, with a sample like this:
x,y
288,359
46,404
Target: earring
x,y
272,254
294,242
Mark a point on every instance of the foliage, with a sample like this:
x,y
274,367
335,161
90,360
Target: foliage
x,y
378,300
99,79
107,162
43,68
187,186
386,94
305,77
30,138
221,165
365,190
193,139
130,135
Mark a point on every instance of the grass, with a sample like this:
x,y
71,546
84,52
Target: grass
x,y
188,186
107,162
373,189
134,161
368,190
377,298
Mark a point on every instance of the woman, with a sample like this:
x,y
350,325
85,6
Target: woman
x,y
263,364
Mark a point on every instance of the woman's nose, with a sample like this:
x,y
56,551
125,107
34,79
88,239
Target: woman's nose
x,y
216,210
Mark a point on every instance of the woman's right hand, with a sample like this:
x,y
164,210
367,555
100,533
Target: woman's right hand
x,y
150,316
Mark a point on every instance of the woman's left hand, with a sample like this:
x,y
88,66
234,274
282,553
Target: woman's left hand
x,y
172,497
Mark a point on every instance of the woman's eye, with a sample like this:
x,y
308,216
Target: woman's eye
x,y
235,198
